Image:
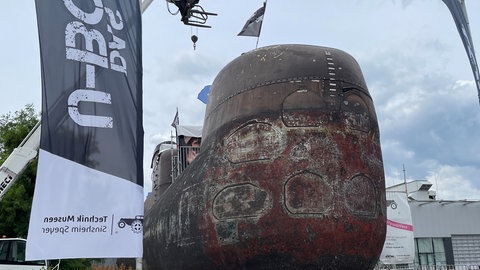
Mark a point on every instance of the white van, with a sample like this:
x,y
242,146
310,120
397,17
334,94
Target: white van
x,y
12,256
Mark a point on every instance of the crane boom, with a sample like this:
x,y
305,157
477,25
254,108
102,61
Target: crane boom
x,y
18,160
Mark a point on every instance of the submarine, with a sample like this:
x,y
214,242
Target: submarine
x,y
289,174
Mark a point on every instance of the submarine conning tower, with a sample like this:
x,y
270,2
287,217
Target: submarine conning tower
x,y
290,173
331,71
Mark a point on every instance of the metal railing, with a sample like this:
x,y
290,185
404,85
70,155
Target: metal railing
x,y
185,156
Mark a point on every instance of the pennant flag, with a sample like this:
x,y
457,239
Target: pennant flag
x,y
176,120
254,24
203,95
88,200
458,10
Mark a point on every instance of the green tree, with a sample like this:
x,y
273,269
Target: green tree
x,y
75,264
16,204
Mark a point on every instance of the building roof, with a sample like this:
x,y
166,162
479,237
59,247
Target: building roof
x,y
443,218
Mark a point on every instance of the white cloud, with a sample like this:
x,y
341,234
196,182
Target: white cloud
x,y
455,182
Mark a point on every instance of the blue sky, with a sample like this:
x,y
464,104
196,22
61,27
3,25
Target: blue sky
x,y
410,53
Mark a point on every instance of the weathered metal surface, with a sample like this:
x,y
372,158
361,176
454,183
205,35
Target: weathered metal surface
x,y
290,175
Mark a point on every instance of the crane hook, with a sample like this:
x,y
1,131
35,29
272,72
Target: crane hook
x,y
194,40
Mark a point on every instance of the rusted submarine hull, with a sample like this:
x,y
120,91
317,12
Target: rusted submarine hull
x,y
290,173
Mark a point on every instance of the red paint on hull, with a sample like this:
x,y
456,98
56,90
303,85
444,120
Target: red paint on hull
x,y
290,175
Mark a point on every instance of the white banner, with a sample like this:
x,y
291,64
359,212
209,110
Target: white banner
x,y
67,225
399,247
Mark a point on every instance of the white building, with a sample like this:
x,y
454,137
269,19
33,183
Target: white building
x,y
446,233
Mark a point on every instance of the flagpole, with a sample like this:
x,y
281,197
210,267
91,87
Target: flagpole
x,y
459,12
260,31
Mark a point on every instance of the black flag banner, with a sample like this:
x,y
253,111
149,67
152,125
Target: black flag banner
x,y
457,8
253,26
88,200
